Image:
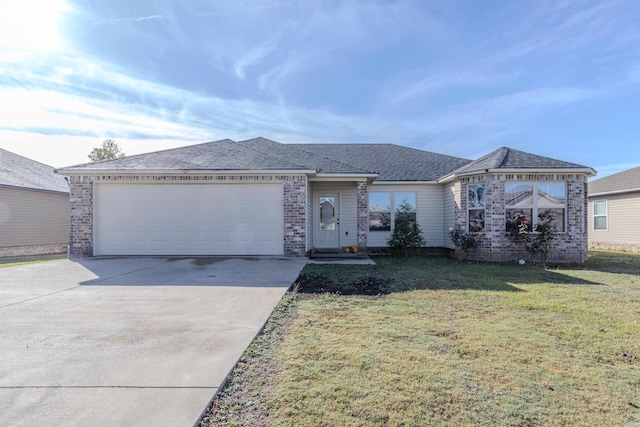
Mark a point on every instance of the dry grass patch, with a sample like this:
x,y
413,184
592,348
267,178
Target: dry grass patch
x,y
483,344
29,259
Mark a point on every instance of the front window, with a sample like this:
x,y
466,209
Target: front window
x,y
379,211
381,216
405,204
476,206
600,215
525,201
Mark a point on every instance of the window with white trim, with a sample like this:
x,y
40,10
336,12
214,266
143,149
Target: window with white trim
x,y
476,207
381,216
525,201
600,213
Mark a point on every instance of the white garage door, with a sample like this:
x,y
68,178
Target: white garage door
x,y
188,219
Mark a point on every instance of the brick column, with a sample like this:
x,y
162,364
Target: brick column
x,y
81,217
295,207
362,210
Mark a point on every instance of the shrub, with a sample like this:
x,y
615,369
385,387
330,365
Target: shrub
x,y
462,240
538,243
407,235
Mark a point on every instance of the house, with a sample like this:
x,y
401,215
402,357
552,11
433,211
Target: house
x,y
34,207
613,202
261,197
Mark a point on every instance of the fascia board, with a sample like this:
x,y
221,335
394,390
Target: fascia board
x,y
182,172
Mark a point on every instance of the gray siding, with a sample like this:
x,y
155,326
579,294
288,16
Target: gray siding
x,y
32,218
623,223
429,213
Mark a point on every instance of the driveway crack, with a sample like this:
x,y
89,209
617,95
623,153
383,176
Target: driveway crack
x,y
39,296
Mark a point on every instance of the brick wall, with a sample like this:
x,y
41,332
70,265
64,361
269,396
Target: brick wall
x,y
295,217
362,211
81,204
495,244
81,216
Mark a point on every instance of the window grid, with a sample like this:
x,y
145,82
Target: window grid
x,y
524,201
382,215
600,215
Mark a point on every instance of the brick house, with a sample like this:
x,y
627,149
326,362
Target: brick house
x,y
261,197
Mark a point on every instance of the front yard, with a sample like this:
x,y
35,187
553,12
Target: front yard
x,y
466,344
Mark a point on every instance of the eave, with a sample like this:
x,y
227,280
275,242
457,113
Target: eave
x,y
370,177
614,193
406,183
586,171
40,190
95,172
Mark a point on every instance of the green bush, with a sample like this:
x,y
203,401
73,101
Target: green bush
x,y
406,237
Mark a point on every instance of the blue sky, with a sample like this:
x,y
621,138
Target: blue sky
x,y
555,78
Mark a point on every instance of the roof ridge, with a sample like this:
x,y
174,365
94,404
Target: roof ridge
x,y
504,156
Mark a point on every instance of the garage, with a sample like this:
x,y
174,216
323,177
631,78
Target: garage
x,y
188,219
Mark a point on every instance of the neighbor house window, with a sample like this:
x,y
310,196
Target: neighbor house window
x,y
475,206
381,216
600,215
525,201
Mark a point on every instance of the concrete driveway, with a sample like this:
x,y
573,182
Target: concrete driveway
x,y
128,341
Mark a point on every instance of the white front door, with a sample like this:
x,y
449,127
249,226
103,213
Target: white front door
x,y
327,232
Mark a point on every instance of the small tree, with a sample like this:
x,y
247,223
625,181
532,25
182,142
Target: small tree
x,y
107,151
538,244
407,235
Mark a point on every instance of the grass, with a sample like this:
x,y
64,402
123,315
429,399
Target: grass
x,y
471,344
32,259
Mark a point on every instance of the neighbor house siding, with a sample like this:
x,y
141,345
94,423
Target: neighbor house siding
x,y
347,205
33,222
623,223
449,213
429,212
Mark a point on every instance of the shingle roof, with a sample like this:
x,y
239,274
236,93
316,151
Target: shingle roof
x,y
217,155
317,161
626,180
18,171
391,162
508,158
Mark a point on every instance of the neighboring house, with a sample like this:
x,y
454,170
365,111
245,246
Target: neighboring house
x,y
34,207
614,203
261,197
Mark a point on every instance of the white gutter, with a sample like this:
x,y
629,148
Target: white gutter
x,y
405,182
41,190
586,171
346,175
613,193
91,172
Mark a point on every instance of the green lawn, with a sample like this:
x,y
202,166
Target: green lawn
x,y
473,344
